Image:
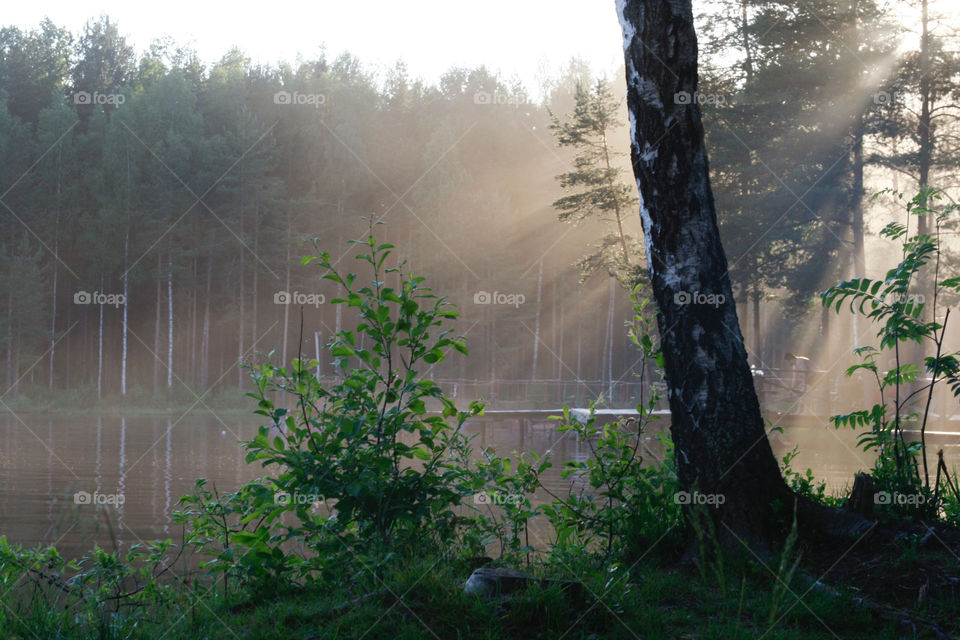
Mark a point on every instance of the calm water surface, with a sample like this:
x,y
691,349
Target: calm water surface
x,y
148,462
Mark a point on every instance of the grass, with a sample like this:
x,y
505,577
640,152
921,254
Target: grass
x,y
423,599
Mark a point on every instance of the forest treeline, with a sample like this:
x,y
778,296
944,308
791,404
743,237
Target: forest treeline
x,y
154,208
183,197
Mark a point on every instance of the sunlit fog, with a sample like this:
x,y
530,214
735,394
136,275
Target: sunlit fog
x,y
186,188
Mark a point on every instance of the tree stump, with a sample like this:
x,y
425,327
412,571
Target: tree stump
x,y
863,496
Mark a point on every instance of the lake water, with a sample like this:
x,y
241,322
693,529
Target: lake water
x,y
152,460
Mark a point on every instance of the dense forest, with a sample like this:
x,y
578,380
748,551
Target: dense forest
x,y
185,196
155,208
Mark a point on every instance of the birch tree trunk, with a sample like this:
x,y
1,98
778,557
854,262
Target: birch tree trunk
x,y
53,303
126,297
9,384
608,373
16,362
240,282
286,307
156,328
56,259
256,290
126,288
536,327
716,424
192,337
925,159
169,321
205,347
100,348
66,369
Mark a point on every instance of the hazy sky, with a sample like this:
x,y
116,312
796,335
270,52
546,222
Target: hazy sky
x,y
516,37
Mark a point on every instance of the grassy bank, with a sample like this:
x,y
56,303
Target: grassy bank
x,y
424,599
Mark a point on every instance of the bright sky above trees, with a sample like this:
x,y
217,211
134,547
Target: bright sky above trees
x,y
510,36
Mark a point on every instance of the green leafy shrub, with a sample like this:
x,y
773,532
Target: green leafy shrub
x,y
389,473
237,534
504,502
805,483
617,501
898,304
114,592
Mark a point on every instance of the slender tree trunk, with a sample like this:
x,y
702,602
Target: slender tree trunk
x,y
757,337
579,349
859,257
66,382
16,361
606,361
858,262
194,309
10,378
100,348
286,307
156,328
717,427
126,303
536,326
56,260
925,159
256,278
554,374
745,42
617,213
126,283
560,331
240,331
243,274
493,348
744,182
85,346
205,355
53,309
169,321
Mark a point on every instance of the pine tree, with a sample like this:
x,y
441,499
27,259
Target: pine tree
x,y
595,185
